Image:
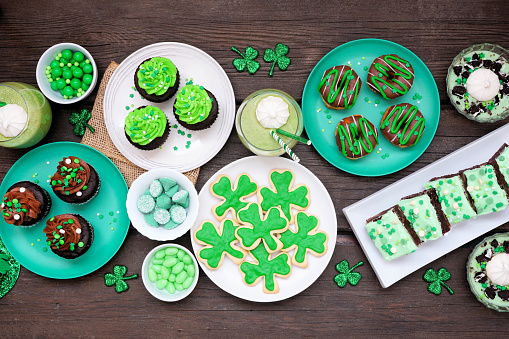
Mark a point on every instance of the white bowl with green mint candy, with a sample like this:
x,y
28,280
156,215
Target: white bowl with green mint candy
x,y
162,204
170,272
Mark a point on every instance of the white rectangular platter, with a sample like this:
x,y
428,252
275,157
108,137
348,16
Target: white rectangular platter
x,y
389,272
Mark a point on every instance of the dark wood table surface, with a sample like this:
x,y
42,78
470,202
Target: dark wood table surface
x,y
434,30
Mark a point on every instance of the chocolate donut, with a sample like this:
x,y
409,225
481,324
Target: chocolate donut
x,y
340,87
390,76
402,125
356,136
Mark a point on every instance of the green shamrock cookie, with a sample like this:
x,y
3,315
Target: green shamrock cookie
x,y
218,243
232,197
283,194
255,229
305,239
266,268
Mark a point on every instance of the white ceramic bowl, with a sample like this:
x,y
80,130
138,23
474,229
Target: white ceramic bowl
x,y
163,294
142,184
47,58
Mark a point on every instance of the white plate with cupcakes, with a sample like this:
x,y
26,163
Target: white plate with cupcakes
x,y
169,105
266,233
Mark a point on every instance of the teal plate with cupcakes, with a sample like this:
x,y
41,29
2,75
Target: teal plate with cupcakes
x,y
320,122
106,212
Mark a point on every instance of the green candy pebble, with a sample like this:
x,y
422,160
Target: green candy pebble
x,y
181,277
54,86
171,251
180,197
187,259
159,254
85,87
63,61
188,282
54,64
77,72
190,270
178,214
149,219
152,275
181,254
145,204
163,201
67,81
159,276
179,287
75,83
78,56
170,262
88,68
170,288
165,272
156,188
156,268
171,192
170,224
177,268
162,216
67,74
172,277
160,284
167,183
56,72
87,79
67,54
61,83
157,261
68,91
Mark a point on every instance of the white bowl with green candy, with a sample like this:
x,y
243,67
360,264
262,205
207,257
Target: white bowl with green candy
x,y
170,272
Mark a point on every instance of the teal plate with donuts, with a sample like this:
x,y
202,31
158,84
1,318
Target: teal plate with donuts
x,y
106,212
320,122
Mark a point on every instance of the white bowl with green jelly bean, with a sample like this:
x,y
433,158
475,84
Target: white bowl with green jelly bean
x,y
170,272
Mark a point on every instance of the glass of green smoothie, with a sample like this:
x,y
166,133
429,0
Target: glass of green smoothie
x,y
263,111
25,115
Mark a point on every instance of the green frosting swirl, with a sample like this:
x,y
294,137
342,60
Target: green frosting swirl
x,y
157,75
145,124
193,104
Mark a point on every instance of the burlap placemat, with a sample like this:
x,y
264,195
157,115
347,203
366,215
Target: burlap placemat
x,y
100,140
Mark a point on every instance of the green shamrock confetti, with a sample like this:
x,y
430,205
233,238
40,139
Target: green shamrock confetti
x,y
346,275
117,278
247,61
437,279
277,56
79,121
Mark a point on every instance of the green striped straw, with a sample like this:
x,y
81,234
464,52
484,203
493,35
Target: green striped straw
x,y
287,149
293,136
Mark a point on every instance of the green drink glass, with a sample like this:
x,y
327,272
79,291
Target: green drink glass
x,y
25,115
257,138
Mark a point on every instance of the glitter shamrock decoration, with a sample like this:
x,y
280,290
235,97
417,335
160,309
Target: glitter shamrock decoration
x,y
437,279
2,104
277,56
117,278
79,121
4,263
247,61
346,275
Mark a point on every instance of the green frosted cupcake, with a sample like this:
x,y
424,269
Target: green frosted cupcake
x,y
146,127
195,107
157,79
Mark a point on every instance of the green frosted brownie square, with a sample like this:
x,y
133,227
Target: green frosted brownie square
x,y
425,215
392,233
485,188
500,161
456,203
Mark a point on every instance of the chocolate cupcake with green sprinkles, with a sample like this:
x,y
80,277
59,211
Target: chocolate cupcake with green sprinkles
x,y
146,128
195,108
157,79
75,182
69,235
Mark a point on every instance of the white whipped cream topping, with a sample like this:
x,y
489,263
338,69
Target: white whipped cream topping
x,y
483,84
13,119
497,269
272,112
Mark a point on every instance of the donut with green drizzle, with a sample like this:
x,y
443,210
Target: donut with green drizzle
x,y
390,76
403,125
356,136
340,87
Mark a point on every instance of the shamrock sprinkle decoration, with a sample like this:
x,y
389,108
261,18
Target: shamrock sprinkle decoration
x,y
346,275
437,279
278,56
79,121
117,278
247,60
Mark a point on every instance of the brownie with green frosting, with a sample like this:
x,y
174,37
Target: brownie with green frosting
x,y
157,79
425,215
500,162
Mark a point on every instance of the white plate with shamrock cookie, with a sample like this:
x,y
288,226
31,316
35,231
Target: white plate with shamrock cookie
x,y
249,231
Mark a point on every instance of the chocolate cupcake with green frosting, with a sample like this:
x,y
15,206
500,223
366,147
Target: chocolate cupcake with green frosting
x,y
195,107
146,127
157,79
